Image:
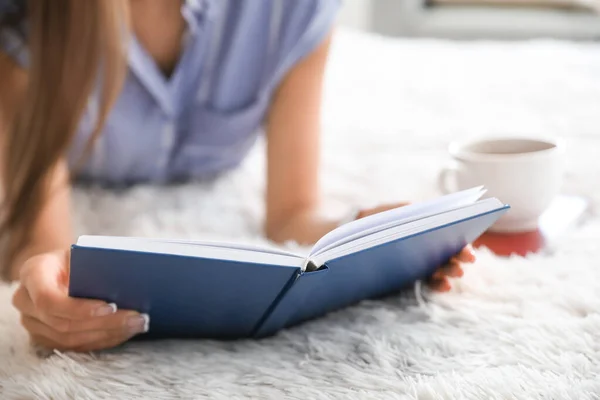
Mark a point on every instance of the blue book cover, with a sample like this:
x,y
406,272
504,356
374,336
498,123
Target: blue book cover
x,y
231,291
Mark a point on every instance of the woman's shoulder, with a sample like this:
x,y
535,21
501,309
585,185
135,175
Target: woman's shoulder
x,y
286,18
252,9
285,31
286,21
302,26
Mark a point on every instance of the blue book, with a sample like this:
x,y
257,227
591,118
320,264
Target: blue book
x,y
229,291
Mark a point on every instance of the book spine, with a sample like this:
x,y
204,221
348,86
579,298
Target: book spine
x,y
275,303
291,307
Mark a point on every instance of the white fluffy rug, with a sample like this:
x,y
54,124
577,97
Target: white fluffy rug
x,y
512,328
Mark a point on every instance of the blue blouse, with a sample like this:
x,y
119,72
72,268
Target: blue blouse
x,y
206,116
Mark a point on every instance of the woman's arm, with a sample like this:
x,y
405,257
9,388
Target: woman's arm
x,y
52,230
293,130
293,196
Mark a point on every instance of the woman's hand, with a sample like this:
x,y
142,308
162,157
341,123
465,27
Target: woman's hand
x,y
56,321
440,279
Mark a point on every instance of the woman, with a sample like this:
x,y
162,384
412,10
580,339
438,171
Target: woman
x,y
127,91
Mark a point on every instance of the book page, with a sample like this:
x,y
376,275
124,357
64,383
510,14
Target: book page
x,y
229,245
411,228
387,219
86,240
218,251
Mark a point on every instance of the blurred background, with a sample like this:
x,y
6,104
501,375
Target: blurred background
x,y
476,19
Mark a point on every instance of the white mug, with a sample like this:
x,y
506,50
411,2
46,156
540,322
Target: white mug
x,y
525,173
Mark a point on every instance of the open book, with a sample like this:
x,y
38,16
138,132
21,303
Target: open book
x,y
225,290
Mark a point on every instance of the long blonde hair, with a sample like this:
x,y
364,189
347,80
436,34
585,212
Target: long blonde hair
x,y
74,45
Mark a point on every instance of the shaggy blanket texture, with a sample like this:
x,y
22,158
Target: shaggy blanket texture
x,y
511,328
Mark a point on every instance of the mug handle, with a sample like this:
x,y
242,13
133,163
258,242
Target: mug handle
x,y
447,174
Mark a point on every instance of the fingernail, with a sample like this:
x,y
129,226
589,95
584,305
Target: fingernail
x,y
108,309
138,324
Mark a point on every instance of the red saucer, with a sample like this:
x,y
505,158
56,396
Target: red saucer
x,y
563,214
508,244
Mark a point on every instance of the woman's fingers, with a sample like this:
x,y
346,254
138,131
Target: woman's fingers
x,y
108,343
115,320
86,334
466,255
94,346
130,321
83,341
439,280
452,270
124,320
439,284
